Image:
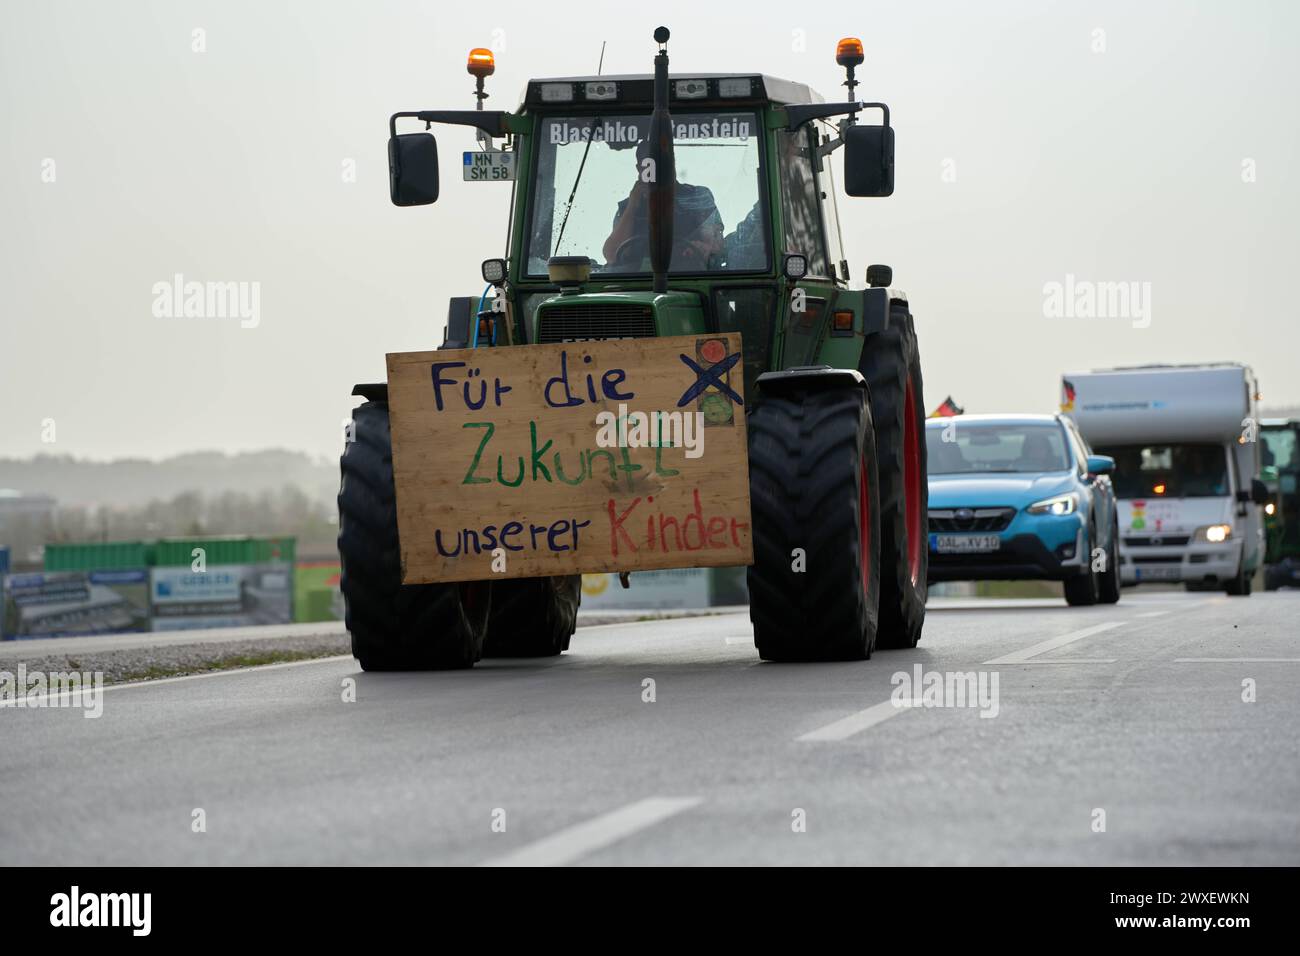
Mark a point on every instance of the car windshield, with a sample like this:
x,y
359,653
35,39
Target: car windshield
x,y
958,448
1168,471
591,192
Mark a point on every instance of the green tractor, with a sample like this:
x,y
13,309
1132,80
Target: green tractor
x,y
658,205
1281,472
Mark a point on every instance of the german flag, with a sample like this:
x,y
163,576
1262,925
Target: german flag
x,y
947,408
1067,395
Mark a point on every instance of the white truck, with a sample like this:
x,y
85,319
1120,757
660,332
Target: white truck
x,y
1185,439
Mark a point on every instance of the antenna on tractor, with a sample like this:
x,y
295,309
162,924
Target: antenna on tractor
x,y
663,175
600,66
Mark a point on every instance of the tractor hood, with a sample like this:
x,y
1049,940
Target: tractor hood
x,y
585,316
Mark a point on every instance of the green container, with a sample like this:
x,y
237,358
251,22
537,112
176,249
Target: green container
x,y
174,552
98,556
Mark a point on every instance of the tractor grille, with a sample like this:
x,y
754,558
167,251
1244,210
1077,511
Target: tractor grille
x,y
970,519
1157,540
581,323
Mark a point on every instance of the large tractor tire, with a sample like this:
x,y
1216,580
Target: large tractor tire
x,y
395,627
533,617
891,364
814,587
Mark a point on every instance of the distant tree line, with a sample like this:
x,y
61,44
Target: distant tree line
x,y
285,511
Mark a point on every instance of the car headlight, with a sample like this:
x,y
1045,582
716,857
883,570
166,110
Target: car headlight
x,y
1215,533
1060,505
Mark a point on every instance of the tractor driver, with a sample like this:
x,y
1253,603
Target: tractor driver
x,y
697,226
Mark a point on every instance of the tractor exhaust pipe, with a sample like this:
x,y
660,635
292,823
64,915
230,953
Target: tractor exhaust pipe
x,y
663,174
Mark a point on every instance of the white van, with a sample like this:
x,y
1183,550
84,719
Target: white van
x,y
1185,439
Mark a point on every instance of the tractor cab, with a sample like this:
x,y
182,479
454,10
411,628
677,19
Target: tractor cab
x,y
736,193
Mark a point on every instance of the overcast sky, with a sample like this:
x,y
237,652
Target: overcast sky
x,y
1115,142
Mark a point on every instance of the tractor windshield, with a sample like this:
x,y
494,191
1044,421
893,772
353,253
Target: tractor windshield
x,y
591,190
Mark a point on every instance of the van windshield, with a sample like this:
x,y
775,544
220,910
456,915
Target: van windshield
x,y
1168,471
591,193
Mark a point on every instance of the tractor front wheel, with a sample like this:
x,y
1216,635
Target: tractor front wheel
x,y
814,587
395,626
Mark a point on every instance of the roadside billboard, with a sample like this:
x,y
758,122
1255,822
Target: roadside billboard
x,y
229,595
66,603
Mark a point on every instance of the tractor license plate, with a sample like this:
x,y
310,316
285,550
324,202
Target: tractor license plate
x,y
966,543
489,166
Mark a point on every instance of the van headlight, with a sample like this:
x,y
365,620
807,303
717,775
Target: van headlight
x,y
1215,533
1060,505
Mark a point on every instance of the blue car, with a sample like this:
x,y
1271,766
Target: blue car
x,y
1022,497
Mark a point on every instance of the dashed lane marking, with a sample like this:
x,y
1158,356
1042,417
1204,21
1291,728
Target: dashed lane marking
x,y
846,727
1023,656
575,842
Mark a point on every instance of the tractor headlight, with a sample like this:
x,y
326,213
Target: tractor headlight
x,y
1215,533
1060,505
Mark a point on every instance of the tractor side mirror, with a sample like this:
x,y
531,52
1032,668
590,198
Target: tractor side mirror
x,y
869,161
413,169
1258,492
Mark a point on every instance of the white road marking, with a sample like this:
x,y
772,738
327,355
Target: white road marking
x,y
1074,660
1237,660
1152,613
1023,656
740,640
577,841
846,727
188,677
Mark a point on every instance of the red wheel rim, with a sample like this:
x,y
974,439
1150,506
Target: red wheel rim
x,y
864,528
912,479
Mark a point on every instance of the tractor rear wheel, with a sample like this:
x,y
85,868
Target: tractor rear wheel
x,y
891,364
533,617
814,587
395,627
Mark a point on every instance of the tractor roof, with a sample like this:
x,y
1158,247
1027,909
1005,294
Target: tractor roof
x,y
638,90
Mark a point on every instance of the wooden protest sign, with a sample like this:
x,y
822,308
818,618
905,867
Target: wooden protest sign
x,y
616,455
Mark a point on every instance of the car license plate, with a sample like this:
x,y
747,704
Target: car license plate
x,y
966,543
489,166
1159,574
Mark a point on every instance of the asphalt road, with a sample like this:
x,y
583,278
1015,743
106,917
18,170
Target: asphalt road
x,y
1136,710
